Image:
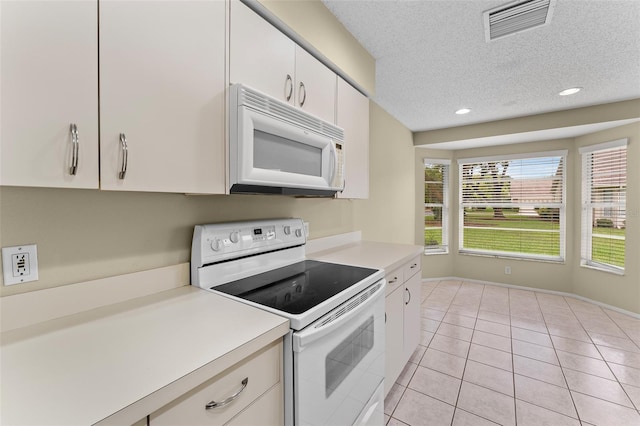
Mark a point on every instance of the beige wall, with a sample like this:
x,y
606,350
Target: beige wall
x,y
621,291
389,213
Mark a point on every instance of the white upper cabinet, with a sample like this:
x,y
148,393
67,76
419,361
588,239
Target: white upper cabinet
x,y
353,116
49,83
315,86
260,56
264,58
162,96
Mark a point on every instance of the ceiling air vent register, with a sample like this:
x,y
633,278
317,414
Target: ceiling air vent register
x,y
515,17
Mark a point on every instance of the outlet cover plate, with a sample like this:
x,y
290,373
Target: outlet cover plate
x,y
20,264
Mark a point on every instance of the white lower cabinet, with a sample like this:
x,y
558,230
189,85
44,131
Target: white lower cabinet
x,y
250,392
402,306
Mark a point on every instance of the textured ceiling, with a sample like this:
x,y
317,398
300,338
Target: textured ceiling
x,y
432,58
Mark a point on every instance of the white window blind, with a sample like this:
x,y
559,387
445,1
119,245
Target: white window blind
x,y
436,206
604,185
513,206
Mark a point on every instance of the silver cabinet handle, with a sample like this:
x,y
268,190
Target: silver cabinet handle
x,y
73,169
302,90
288,88
408,292
125,156
214,404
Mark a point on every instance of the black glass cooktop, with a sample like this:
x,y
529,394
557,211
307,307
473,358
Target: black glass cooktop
x,y
298,287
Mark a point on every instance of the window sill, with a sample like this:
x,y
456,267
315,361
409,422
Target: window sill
x,y
435,252
508,257
615,271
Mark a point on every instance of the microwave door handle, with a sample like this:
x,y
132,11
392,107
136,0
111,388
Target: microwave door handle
x,y
334,162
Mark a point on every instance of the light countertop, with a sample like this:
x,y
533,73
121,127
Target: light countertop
x,y
129,358
370,254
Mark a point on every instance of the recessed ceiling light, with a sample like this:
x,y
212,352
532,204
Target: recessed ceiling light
x,y
463,111
571,91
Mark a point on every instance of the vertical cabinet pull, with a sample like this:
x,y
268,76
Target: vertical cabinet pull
x,y
226,401
75,149
302,92
125,156
288,88
409,293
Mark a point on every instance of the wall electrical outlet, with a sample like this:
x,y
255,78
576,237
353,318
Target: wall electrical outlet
x,y
20,264
507,270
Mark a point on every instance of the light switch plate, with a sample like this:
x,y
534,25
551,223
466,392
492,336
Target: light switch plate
x,y
20,264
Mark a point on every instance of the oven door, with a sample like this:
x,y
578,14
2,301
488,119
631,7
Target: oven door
x,y
273,152
339,363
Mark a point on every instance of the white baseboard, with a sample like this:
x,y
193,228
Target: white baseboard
x,y
540,290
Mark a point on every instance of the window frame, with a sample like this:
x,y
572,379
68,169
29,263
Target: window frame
x,y
561,206
445,205
587,206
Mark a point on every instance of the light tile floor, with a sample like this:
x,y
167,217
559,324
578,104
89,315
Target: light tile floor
x,y
495,355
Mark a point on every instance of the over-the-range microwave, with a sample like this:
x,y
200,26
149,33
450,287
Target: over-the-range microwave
x,y
275,148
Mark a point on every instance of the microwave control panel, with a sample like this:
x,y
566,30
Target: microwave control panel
x,y
219,242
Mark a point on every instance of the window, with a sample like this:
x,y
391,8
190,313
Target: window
x,y
513,206
604,185
436,206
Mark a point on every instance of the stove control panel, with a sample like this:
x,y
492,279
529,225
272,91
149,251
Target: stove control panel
x,y
218,242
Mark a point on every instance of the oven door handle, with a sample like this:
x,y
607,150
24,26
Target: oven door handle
x,y
326,325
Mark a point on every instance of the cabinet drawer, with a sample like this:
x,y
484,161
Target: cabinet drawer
x,y
411,267
263,371
268,410
395,279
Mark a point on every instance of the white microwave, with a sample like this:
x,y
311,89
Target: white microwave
x,y
275,148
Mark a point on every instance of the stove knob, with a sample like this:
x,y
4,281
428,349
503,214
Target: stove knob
x,y
287,230
216,244
298,232
234,237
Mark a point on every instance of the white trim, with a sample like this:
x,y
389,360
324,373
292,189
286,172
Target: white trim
x,y
24,309
495,158
540,290
605,145
444,161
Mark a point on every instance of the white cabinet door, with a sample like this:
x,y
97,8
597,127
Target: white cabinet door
x,y
315,88
49,80
394,353
260,56
162,89
353,116
412,288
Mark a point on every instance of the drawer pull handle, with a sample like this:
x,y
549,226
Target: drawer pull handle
x,y
413,266
214,404
393,280
409,293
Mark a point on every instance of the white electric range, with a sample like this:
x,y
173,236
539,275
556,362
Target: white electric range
x,y
334,352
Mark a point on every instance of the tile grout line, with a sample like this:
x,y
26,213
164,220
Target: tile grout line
x,y
467,357
605,361
575,407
